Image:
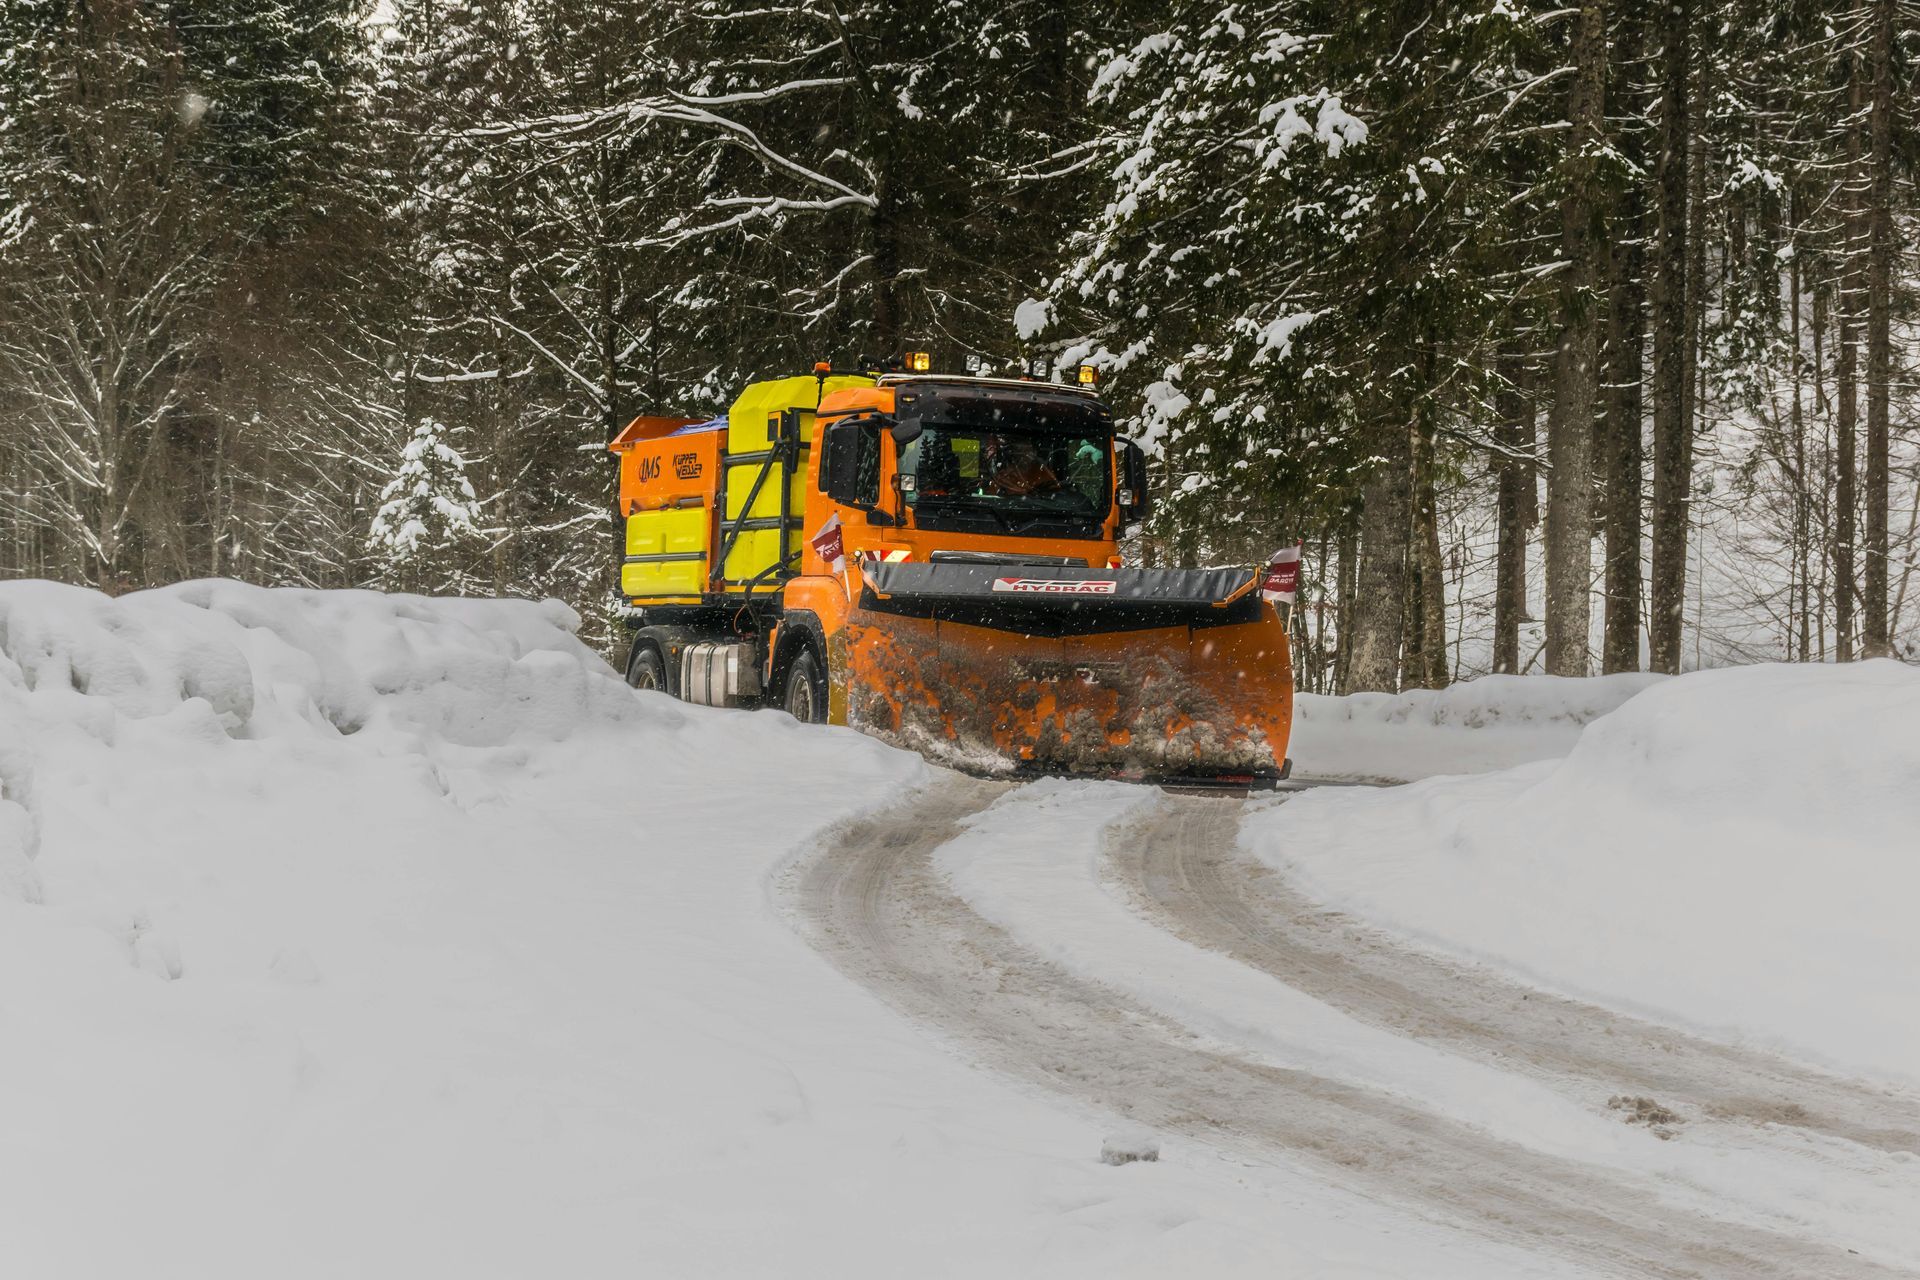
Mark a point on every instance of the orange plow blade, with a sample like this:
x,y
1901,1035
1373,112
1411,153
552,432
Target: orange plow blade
x,y
1175,675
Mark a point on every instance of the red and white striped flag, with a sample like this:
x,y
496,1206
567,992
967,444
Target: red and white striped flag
x,y
1282,582
829,545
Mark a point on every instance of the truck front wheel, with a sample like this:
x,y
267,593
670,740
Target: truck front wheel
x,y
805,694
646,669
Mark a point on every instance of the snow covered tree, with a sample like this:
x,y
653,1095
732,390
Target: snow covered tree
x,y
1193,284
428,522
1300,270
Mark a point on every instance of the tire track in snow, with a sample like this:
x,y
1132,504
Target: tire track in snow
x,y
1183,864
871,900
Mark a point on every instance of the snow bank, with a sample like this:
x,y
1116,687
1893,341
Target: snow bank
x,y
262,661
1733,850
1494,722
219,658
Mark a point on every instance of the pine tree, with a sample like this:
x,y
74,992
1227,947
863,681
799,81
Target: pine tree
x,y
423,534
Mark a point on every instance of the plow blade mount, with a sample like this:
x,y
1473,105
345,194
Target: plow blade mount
x,y
1162,674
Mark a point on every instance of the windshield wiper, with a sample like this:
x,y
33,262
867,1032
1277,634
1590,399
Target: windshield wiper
x,y
1052,517
966,504
1012,518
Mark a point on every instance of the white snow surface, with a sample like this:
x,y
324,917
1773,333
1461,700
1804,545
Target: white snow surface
x,y
349,934
1733,851
1494,722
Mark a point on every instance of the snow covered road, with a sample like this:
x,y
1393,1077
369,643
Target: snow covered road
x,y
1185,865
958,908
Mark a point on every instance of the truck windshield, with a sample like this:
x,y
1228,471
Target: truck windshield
x,y
1008,479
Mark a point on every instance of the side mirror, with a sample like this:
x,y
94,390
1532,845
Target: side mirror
x,y
1134,501
840,460
904,430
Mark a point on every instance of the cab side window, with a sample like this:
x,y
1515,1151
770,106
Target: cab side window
x,y
869,474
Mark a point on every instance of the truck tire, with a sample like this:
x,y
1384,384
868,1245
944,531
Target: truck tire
x,y
804,695
646,669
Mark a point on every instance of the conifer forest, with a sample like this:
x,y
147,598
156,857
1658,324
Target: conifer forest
x,y
1566,338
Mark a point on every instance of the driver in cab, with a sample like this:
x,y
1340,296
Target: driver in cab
x,y
1015,468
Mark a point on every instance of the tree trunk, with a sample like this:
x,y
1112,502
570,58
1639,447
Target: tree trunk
x,y
1426,657
1818,309
1846,390
1802,497
1343,614
1672,383
1515,483
1570,423
1322,662
1696,319
1623,457
884,225
1380,591
1876,642
1624,452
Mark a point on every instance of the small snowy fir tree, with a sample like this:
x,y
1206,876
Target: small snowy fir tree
x,y
428,525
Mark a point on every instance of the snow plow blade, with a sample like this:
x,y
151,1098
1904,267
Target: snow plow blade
x,y
1164,675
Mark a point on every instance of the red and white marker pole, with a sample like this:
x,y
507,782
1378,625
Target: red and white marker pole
x,y
1282,583
830,546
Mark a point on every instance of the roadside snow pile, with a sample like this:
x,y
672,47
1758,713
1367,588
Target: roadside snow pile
x,y
1734,850
1494,722
211,659
474,672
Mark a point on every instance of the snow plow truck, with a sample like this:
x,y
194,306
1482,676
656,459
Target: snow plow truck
x,y
935,560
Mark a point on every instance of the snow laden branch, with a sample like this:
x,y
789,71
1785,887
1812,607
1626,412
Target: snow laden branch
x,y
570,131
1201,284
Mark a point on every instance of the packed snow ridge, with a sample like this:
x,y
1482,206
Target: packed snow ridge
x,y
1731,850
1475,726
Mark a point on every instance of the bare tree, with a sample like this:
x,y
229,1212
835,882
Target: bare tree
x,y
100,336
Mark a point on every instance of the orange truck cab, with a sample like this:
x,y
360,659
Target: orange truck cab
x,y
935,560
